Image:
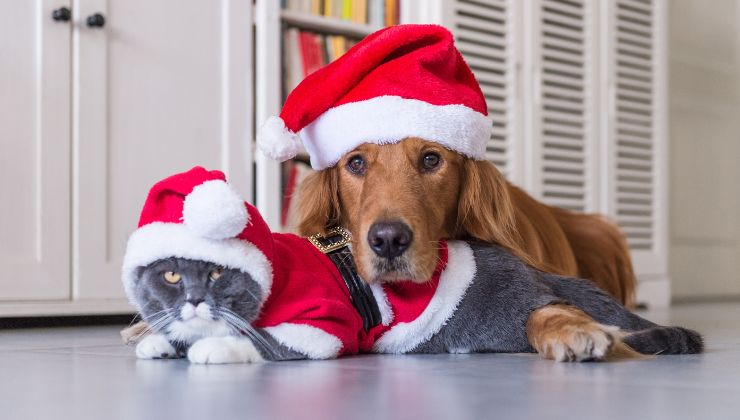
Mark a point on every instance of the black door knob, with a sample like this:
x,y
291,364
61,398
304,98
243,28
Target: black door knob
x,y
96,21
61,14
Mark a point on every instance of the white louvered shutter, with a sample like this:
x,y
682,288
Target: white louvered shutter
x,y
563,146
634,131
483,34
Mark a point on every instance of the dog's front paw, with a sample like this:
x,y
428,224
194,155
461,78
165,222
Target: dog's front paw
x,y
155,346
579,343
219,350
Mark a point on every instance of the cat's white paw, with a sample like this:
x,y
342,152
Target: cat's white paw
x,y
155,346
219,350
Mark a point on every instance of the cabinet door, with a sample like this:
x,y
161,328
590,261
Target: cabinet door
x,y
34,152
161,87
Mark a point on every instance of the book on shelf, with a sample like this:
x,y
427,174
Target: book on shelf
x,y
305,52
365,12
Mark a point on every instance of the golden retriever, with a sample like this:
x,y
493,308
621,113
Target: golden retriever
x,y
399,200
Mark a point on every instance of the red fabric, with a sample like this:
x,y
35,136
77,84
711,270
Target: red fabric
x,y
258,233
308,289
165,200
411,61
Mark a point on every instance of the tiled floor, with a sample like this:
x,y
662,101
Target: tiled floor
x,y
85,373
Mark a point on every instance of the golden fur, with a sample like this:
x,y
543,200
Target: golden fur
x,y
461,199
565,333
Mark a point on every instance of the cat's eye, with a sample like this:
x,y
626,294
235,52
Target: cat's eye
x,y
172,277
215,274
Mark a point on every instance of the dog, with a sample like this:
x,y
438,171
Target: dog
x,y
399,199
410,194
398,127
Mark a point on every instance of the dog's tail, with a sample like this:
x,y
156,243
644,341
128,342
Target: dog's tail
x,y
665,340
602,253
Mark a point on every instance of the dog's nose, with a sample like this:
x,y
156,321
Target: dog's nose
x,y
389,239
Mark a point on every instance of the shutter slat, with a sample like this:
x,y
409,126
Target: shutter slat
x,y
646,8
563,104
480,37
486,13
635,29
640,18
563,142
484,51
559,31
477,24
481,31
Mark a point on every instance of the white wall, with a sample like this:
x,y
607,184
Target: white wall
x,y
705,148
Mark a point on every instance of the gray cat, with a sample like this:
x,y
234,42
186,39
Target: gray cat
x,y
491,316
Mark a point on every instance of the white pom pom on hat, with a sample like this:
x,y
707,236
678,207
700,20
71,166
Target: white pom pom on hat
x,y
277,141
213,210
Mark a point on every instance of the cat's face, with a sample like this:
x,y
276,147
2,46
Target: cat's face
x,y
188,300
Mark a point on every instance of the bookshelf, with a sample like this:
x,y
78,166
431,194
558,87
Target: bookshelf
x,y
276,74
327,25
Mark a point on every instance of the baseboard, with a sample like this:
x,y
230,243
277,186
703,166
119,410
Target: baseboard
x,y
66,308
654,291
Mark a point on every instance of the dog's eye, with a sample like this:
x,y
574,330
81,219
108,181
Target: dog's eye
x,y
215,274
430,161
356,165
172,277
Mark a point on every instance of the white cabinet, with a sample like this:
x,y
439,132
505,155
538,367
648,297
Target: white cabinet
x,y
94,116
35,165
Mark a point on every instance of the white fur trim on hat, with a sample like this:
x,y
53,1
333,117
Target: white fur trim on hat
x,y
214,210
453,283
158,240
390,119
306,339
276,141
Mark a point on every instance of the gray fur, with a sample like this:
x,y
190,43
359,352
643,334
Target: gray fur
x,y
492,317
234,291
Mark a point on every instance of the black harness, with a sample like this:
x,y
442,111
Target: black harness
x,y
335,244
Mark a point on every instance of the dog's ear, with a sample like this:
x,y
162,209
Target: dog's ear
x,y
318,202
485,211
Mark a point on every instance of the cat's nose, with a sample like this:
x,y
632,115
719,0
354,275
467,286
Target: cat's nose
x,y
195,302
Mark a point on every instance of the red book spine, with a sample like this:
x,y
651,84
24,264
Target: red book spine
x,y
305,44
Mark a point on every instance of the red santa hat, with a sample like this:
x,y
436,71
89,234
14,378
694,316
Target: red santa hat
x,y
399,82
198,216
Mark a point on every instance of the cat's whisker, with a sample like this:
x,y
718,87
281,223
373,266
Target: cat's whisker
x,y
242,327
160,320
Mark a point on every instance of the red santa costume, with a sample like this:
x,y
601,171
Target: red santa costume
x,y
306,303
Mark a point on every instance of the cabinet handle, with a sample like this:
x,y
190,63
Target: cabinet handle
x,y
95,21
61,14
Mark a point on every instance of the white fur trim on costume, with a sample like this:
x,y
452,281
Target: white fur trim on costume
x,y
157,241
305,339
386,312
453,283
390,119
214,210
276,141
